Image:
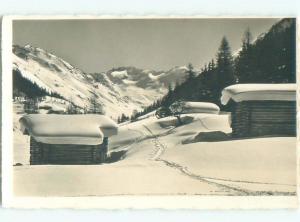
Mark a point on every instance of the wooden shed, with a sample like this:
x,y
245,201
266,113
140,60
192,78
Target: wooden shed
x,y
261,109
68,139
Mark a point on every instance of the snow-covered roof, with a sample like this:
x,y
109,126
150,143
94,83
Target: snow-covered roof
x,y
200,107
52,106
248,92
87,129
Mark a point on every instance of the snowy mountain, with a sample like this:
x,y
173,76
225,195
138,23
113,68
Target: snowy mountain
x,y
120,90
124,76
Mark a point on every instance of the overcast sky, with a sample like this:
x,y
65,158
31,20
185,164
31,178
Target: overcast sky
x,y
159,44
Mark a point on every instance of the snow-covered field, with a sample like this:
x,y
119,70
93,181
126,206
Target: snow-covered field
x,y
160,159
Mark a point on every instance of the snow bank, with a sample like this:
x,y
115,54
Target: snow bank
x,y
262,164
193,124
246,92
68,129
213,136
172,121
200,107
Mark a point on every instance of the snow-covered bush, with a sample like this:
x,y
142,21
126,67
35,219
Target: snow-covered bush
x,y
176,110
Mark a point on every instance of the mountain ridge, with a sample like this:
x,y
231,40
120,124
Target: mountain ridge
x,y
119,90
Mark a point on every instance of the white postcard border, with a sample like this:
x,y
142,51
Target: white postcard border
x,y
116,202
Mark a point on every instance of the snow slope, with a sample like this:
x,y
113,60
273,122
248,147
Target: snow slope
x,y
259,166
120,90
160,159
56,75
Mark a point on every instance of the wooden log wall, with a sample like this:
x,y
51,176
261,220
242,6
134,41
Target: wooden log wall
x,y
41,153
262,118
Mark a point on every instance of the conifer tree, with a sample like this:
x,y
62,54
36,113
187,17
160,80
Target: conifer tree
x,y
191,72
225,67
244,63
95,107
247,39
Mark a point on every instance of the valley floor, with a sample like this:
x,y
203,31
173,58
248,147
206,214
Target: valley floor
x,y
161,159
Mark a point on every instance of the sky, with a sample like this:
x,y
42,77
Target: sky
x,y
158,44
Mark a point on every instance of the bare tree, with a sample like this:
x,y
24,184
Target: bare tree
x,y
177,109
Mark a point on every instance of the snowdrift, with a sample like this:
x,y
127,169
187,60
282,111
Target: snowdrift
x,y
200,107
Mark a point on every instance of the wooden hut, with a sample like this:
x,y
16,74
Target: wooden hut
x,y
261,109
68,139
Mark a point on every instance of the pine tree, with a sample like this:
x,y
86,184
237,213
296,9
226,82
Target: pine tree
x,y
244,63
95,106
169,97
213,64
205,68
225,66
134,115
123,118
247,39
190,71
71,109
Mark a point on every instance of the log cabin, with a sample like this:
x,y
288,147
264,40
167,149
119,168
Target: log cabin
x,y
261,109
68,139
